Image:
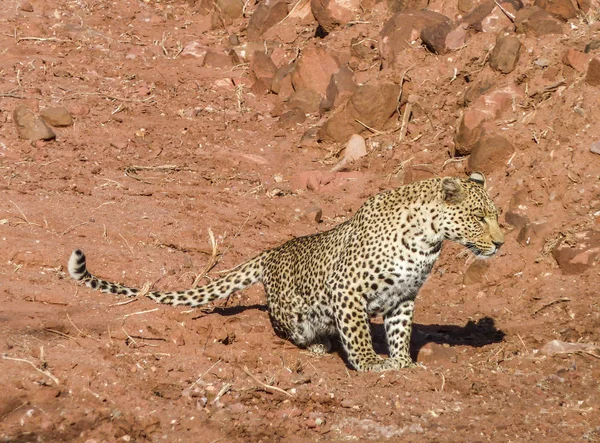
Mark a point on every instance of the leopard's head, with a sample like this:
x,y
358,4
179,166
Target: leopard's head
x,y
470,216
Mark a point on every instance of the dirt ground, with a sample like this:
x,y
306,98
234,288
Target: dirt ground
x,y
165,153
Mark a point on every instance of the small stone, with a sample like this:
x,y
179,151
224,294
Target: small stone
x,y
313,70
592,76
230,8
267,14
57,116
194,49
333,13
516,215
26,6
356,148
533,234
415,428
313,214
341,87
595,148
475,273
490,153
262,65
505,55
30,126
431,352
562,9
533,20
292,118
442,37
576,60
217,60
403,5
579,253
305,99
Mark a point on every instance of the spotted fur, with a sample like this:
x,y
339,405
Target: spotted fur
x,y
328,285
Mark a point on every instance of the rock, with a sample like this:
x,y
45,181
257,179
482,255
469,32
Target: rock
x,y
433,352
341,87
230,8
282,82
505,55
332,13
415,173
26,6
444,36
313,214
403,5
560,347
516,215
267,14
217,60
309,138
474,274
576,60
490,154
356,148
486,108
292,118
533,233
562,9
488,17
402,29
578,253
306,100
482,84
262,66
194,49
595,148
262,86
313,70
592,77
592,46
79,110
57,116
532,20
30,126
372,104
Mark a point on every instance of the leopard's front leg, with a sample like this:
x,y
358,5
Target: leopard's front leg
x,y
398,329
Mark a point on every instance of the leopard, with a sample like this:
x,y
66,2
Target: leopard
x,y
329,285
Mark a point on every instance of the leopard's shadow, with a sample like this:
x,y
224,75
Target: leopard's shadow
x,y
474,334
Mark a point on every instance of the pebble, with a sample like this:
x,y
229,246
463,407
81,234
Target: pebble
x,y
30,126
355,148
595,148
57,116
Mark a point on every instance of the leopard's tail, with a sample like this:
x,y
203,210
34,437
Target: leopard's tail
x,y
240,277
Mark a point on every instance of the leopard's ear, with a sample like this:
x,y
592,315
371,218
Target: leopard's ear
x,y
478,178
453,190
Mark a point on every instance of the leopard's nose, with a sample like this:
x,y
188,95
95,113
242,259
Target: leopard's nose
x,y
498,243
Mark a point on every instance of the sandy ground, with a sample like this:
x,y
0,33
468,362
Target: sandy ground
x,y
165,153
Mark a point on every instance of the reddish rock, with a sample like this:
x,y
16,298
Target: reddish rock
x,y
355,148
505,55
576,60
490,154
533,20
562,9
516,215
341,87
482,84
194,49
476,272
230,8
26,6
372,104
57,116
595,147
402,29
404,5
579,252
217,60
332,13
313,214
30,126
488,17
267,14
443,37
282,82
533,234
592,77
433,352
262,66
486,108
415,173
306,100
292,118
313,70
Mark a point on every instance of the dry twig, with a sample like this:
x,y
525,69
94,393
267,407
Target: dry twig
x,y
46,373
264,385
